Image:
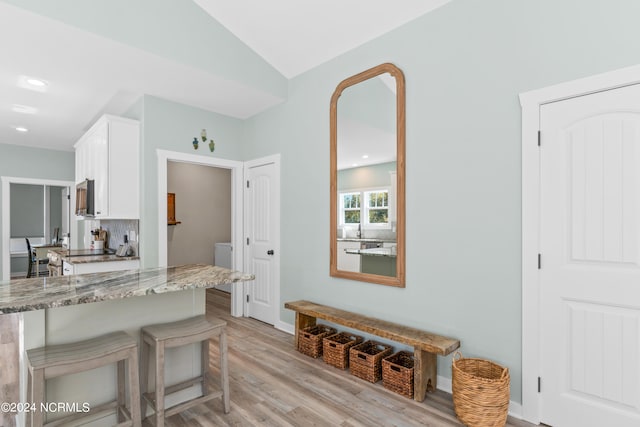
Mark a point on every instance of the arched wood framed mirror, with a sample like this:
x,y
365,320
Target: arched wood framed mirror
x,y
367,235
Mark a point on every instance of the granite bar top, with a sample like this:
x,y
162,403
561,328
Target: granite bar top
x,y
97,258
70,256
48,292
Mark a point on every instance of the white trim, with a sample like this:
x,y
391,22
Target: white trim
x,y
6,213
531,102
275,160
236,207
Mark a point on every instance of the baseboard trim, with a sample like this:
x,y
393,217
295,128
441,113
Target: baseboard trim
x,y
444,383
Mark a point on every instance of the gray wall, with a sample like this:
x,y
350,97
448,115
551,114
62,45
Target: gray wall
x,y
203,205
465,65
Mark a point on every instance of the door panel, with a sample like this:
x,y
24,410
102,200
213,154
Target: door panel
x,y
262,246
589,277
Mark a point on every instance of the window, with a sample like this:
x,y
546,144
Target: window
x,y
377,209
367,207
350,209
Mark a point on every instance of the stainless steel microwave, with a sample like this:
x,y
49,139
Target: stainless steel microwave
x,y
85,198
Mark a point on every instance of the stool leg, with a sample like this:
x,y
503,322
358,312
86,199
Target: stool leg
x,y
37,391
144,375
28,415
121,391
205,366
134,388
224,372
160,384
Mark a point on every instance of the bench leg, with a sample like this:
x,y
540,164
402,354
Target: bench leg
x,y
425,373
303,321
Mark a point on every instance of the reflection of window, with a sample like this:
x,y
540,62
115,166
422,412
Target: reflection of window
x,y
377,207
370,207
350,209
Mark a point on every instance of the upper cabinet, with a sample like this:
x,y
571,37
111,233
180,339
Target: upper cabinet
x,y
109,154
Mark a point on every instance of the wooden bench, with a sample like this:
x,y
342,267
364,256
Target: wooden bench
x,y
426,346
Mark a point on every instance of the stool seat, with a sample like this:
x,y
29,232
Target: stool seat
x,y
174,334
62,359
188,330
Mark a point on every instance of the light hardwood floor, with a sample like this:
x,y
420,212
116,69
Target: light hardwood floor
x,y
274,385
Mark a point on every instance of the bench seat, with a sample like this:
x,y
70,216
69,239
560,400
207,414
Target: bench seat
x,y
426,345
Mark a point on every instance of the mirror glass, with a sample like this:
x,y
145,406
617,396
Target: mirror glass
x,y
367,177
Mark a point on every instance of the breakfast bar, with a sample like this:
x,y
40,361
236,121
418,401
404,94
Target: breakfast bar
x,y
58,310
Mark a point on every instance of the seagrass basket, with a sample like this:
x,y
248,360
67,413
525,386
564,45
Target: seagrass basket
x,y
480,391
310,339
365,360
397,373
335,348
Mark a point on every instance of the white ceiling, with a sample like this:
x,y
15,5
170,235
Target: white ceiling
x,y
295,36
90,75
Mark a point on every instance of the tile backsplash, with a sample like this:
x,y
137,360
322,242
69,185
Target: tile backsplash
x,y
118,228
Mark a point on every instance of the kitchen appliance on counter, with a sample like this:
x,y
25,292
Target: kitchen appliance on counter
x,y
85,198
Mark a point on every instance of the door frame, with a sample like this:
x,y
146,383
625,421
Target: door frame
x,y
275,160
236,168
531,102
6,214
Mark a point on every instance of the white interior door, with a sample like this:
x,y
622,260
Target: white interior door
x,y
590,260
262,234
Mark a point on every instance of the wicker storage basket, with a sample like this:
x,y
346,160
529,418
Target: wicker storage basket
x,y
336,347
480,391
365,360
310,339
397,373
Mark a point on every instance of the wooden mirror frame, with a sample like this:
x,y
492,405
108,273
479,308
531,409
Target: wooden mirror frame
x,y
399,279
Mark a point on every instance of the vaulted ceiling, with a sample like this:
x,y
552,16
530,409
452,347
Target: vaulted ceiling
x,y
90,74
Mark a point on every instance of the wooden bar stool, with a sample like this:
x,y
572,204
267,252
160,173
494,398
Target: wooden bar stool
x,y
53,361
174,334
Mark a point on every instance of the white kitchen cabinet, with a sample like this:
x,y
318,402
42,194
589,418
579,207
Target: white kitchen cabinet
x,y
109,154
99,267
348,262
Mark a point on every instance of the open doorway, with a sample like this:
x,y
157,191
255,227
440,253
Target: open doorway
x,y
190,205
38,210
202,203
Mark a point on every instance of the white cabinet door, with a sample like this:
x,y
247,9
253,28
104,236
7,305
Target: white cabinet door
x,y
348,262
99,142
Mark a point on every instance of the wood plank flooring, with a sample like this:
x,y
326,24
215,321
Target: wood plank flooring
x,y
274,385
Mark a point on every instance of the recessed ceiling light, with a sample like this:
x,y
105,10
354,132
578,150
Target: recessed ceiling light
x,y
24,109
33,83
36,82
366,156
354,165
22,129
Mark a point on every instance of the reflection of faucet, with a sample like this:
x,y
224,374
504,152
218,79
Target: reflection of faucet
x,y
359,234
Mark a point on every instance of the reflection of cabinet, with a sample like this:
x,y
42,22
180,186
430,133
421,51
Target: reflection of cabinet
x,y
109,154
348,262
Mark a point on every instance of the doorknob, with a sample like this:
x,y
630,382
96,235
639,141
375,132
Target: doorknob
x,y
270,252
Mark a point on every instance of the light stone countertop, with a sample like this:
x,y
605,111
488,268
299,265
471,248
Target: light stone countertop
x,y
47,292
64,255
388,252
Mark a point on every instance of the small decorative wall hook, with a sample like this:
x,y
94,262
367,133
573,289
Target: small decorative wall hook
x,y
203,135
212,145
195,143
